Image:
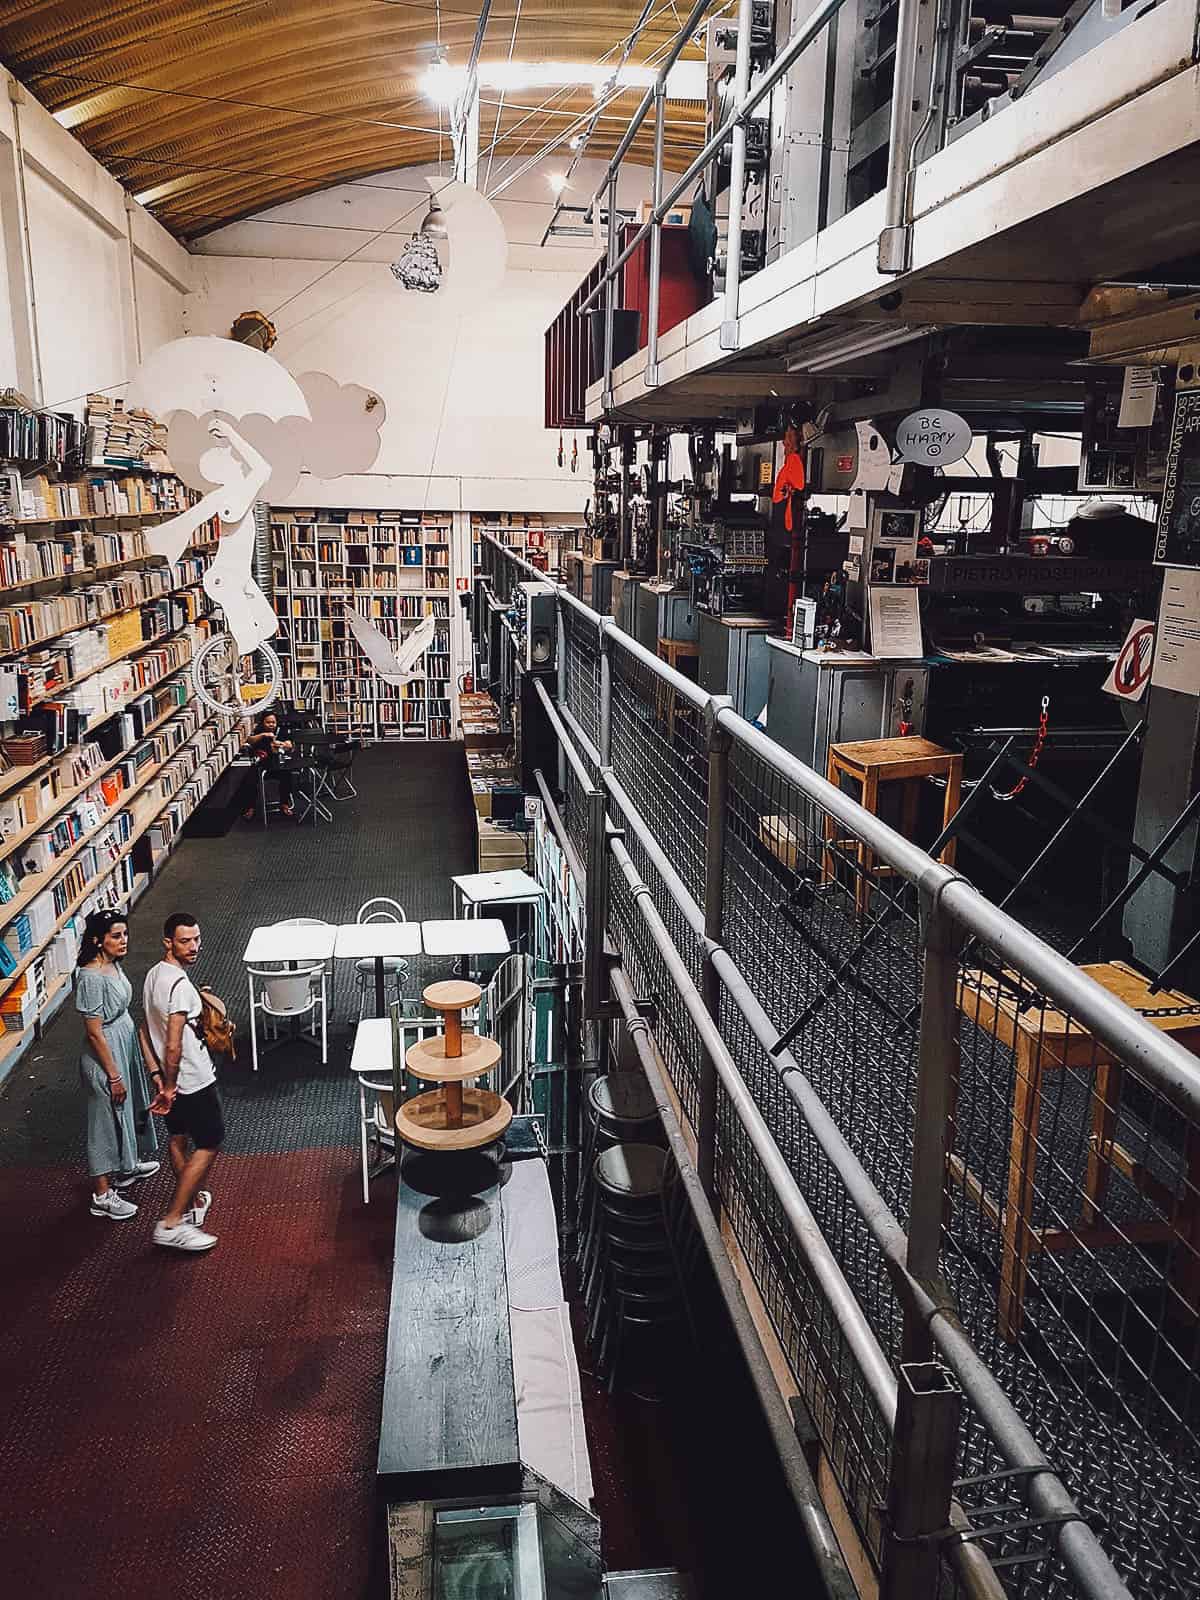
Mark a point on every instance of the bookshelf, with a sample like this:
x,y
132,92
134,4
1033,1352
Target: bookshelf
x,y
536,536
96,638
394,568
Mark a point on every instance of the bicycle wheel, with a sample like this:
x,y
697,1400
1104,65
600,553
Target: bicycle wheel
x,y
221,679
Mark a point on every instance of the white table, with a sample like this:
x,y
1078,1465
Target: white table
x,y
292,941
470,936
288,944
497,888
358,941
481,892
372,1046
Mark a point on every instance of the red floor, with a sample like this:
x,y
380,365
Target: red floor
x,y
193,1426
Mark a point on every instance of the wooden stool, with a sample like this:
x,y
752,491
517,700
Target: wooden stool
x,y
1044,1040
872,762
452,1117
684,656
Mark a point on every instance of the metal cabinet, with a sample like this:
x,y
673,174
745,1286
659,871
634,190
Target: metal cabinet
x,y
664,612
734,660
818,698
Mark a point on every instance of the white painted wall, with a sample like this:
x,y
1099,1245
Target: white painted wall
x,y
464,393
90,283
87,277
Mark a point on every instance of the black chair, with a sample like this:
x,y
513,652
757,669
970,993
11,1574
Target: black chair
x,y
336,780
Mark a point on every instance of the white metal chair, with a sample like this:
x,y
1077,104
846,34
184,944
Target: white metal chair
x,y
376,1110
395,968
376,1099
284,997
284,994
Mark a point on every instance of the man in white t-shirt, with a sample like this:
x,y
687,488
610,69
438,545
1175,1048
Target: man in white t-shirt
x,y
188,1097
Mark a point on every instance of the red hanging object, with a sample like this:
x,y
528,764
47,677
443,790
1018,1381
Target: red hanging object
x,y
1034,756
560,447
789,480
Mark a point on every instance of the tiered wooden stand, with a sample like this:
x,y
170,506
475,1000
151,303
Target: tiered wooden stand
x,y
453,1117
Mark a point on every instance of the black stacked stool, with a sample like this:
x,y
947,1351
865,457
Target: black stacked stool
x,y
630,1286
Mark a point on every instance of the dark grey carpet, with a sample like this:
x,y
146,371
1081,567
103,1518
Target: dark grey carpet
x,y
408,832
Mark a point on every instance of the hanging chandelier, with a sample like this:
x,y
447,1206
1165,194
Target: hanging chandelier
x,y
418,265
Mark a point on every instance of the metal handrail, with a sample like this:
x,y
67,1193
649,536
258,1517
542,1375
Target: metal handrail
x,y
812,27
1167,1065
946,897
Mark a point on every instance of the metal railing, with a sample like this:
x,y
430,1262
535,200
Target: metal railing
x,y
746,101
964,1176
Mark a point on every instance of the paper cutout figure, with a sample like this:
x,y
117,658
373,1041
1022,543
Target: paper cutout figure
x,y
392,666
269,427
241,473
202,373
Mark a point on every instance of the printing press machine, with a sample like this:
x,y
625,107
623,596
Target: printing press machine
x,y
1003,635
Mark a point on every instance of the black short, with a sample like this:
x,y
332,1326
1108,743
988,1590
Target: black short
x,y
199,1116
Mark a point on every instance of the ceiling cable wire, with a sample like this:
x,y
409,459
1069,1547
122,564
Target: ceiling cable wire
x,y
500,107
548,108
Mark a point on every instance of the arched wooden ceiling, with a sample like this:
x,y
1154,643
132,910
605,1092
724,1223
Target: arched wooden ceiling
x,y
215,109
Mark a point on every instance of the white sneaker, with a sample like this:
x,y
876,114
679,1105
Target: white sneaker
x,y
144,1169
111,1205
199,1211
185,1236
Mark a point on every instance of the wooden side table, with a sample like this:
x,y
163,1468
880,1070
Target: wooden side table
x,y
1044,1040
871,763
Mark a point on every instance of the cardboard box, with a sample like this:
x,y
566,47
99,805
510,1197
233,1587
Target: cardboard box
x,y
499,848
780,840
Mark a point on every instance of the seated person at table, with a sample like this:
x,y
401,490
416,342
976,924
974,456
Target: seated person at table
x,y
265,746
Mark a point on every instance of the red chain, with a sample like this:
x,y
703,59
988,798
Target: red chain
x,y
1035,755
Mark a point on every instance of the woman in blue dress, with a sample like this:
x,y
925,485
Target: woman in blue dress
x,y
121,1139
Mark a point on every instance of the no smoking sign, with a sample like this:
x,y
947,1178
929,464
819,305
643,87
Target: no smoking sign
x,y
1131,670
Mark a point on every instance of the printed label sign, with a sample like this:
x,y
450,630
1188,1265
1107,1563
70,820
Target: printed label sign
x,y
1179,519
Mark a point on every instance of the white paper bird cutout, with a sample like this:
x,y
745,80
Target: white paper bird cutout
x,y
393,666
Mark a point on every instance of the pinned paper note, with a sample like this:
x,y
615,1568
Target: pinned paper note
x,y
1177,656
1139,396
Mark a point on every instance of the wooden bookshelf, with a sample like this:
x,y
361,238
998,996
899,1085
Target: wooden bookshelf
x,y
81,517
536,536
219,755
394,568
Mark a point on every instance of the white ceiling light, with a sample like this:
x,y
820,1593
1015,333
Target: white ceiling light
x,y
444,83
823,355
557,181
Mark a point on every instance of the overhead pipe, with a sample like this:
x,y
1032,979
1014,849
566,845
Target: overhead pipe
x,y
895,241
737,182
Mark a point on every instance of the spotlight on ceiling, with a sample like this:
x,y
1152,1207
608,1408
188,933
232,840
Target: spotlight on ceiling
x,y
557,181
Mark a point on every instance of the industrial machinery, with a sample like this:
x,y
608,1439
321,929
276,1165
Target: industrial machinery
x,y
728,566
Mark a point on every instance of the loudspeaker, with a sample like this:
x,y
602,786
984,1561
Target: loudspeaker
x,y
539,624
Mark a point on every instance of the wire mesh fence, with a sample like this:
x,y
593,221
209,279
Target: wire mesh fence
x,y
583,671
1070,1200
659,754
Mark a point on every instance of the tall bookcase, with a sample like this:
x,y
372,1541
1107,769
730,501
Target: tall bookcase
x,y
537,536
108,753
392,567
